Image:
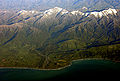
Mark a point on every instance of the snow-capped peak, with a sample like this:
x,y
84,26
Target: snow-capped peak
x,y
22,11
55,10
58,8
64,12
104,13
77,12
110,11
60,11
27,12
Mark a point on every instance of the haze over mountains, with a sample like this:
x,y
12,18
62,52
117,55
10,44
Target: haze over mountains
x,y
45,36
66,4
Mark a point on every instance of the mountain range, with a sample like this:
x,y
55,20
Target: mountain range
x,y
54,37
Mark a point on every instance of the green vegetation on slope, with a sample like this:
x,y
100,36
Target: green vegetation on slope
x,y
34,59
52,42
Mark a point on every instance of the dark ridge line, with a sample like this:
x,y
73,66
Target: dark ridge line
x,y
55,34
10,39
19,21
9,20
11,23
37,20
110,43
7,32
94,11
13,17
37,15
28,32
51,28
88,47
68,51
2,14
98,21
27,18
105,30
59,13
62,41
61,18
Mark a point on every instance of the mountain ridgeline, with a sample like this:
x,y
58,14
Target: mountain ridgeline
x,y
53,38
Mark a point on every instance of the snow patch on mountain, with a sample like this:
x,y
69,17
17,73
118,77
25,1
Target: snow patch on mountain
x,y
77,13
64,12
22,12
55,10
60,11
104,13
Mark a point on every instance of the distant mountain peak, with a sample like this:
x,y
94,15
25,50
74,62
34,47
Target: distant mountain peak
x,y
55,10
97,14
104,13
27,12
58,8
77,12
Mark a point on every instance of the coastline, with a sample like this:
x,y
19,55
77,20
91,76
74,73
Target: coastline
x,y
27,68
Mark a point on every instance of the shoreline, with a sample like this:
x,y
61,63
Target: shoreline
x,y
27,68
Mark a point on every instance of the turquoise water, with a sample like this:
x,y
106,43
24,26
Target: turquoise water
x,y
78,69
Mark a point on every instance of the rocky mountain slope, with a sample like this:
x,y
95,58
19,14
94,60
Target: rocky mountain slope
x,y
42,39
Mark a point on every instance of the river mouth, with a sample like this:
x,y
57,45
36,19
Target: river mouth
x,y
78,69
